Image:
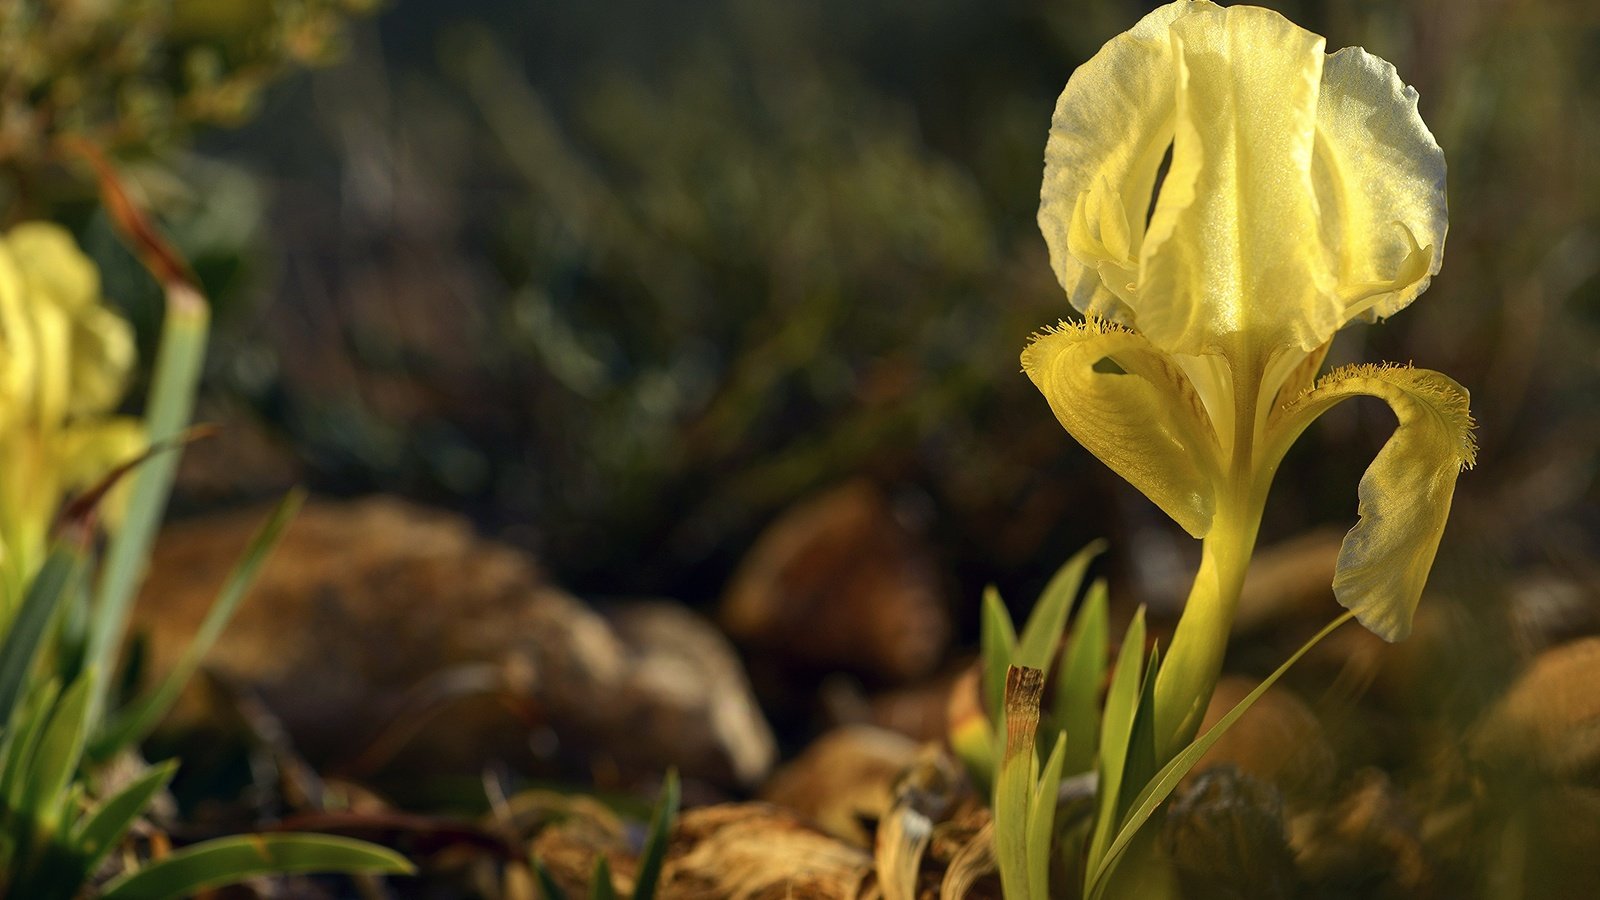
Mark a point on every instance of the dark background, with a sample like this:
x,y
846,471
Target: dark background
x,y
625,280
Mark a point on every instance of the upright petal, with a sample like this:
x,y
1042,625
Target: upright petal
x,y
1111,127
1404,495
1380,180
1131,405
1234,253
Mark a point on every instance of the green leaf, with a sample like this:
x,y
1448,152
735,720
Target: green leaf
x,y
973,742
1167,779
600,887
1116,727
1141,760
1042,818
231,860
29,724
1048,621
173,385
100,831
60,749
1077,709
61,569
998,642
139,718
655,846
1013,791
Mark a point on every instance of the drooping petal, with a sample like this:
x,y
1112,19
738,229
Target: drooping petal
x,y
1381,183
1404,495
84,352
53,265
1131,405
19,350
1234,253
103,355
1112,125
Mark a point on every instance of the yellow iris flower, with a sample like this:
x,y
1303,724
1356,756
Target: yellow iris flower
x,y
1302,191
64,364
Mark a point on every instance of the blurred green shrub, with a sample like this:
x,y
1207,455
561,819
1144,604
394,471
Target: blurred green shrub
x,y
137,76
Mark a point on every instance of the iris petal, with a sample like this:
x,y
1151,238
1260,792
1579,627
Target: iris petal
x,y
1381,179
1405,494
1234,257
1111,127
1131,405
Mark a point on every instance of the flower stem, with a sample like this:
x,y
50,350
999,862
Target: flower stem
x,y
1194,661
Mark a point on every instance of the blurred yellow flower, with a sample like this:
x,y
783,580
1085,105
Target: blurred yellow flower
x,y
1220,197
64,364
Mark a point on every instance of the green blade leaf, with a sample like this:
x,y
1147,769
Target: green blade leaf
x,y
1076,708
139,718
1042,818
973,742
231,860
998,641
1141,759
100,832
1116,729
600,887
1013,791
1048,620
1167,779
56,761
22,641
655,846
29,725
174,382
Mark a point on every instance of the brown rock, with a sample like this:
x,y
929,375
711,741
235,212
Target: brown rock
x,y
839,583
567,850
844,778
1225,835
1366,844
758,852
919,711
1278,740
388,636
1290,579
1550,717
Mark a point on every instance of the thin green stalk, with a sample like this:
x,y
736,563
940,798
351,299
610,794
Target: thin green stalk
x,y
172,392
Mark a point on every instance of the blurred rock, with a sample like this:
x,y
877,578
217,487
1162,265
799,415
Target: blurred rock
x,y
1290,579
683,686
1277,740
839,583
758,852
1549,719
1365,844
1548,608
389,637
918,711
1563,823
844,780
1225,835
568,849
